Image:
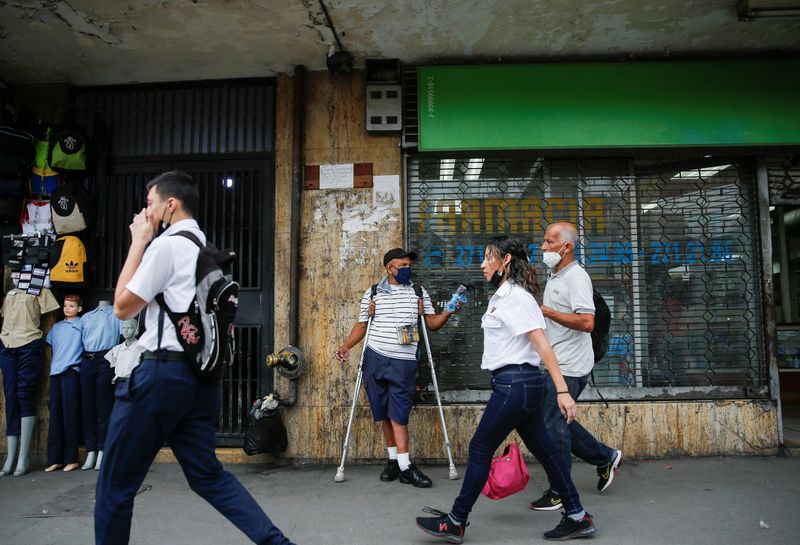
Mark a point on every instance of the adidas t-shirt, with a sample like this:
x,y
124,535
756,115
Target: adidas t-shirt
x,y
395,305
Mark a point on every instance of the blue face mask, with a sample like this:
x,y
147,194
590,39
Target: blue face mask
x,y
403,275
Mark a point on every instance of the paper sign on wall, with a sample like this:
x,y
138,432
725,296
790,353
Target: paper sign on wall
x,y
338,176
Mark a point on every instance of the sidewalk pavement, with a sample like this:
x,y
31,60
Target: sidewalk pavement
x,y
705,501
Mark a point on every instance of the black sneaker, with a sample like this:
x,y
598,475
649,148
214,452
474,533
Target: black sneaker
x,y
606,472
550,501
390,471
441,525
414,476
569,529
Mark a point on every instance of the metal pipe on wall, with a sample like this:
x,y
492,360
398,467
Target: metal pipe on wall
x,y
298,135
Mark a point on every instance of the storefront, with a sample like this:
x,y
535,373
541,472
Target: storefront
x,y
657,164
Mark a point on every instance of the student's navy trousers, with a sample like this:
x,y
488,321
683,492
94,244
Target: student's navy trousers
x,y
164,401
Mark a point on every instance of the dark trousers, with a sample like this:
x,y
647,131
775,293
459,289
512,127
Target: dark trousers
x,y
572,438
65,418
97,398
515,404
22,370
164,401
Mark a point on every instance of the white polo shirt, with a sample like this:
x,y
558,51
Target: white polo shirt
x,y
168,266
511,314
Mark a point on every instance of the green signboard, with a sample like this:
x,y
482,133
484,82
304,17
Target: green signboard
x,y
609,105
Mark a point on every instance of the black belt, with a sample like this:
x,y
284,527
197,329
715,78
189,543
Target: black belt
x,y
164,355
117,380
515,368
95,355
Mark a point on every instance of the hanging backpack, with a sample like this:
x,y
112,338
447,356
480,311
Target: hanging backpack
x,y
67,150
13,186
67,261
36,217
205,329
602,325
72,209
16,150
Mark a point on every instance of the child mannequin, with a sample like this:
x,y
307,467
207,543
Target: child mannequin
x,y
100,333
21,362
125,356
65,388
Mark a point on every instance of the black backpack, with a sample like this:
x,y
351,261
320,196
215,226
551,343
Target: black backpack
x,y
602,324
205,329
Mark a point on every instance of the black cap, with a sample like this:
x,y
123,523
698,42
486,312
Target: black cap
x,y
397,253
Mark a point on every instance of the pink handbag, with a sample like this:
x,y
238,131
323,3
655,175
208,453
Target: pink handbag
x,y
508,474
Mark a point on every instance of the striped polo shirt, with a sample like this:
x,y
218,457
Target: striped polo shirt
x,y
395,305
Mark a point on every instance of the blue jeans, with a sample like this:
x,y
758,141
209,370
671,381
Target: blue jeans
x,y
572,438
22,370
165,401
515,404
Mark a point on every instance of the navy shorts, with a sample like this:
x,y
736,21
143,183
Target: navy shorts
x,y
390,386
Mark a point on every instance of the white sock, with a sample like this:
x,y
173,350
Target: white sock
x,y
454,521
392,453
577,517
404,460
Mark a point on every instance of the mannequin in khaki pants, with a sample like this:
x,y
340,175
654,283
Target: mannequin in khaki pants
x,y
21,362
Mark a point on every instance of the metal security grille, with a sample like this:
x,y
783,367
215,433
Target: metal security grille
x,y
159,120
240,385
221,133
784,180
229,214
669,245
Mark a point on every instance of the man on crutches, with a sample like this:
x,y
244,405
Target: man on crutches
x,y
391,309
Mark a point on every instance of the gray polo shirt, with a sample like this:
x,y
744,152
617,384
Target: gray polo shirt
x,y
570,290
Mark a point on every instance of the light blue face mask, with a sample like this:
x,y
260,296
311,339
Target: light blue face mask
x,y
403,275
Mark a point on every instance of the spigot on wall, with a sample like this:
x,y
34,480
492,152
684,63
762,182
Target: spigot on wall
x,y
289,362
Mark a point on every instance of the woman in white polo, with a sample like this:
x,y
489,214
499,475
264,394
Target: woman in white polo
x,y
514,346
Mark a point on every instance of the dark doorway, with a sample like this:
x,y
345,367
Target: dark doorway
x,y
221,133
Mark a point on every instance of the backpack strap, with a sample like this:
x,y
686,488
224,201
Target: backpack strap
x,y
191,236
163,308
374,292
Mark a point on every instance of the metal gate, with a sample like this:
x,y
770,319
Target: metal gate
x,y
670,245
221,134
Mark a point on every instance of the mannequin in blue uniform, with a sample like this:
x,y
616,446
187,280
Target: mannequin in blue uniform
x,y
100,334
65,388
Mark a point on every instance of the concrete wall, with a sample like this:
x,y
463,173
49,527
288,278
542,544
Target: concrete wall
x,y
344,233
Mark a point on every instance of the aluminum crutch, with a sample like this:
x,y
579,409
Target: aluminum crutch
x,y
340,470
453,473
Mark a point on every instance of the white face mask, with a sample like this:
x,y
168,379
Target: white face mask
x,y
551,259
